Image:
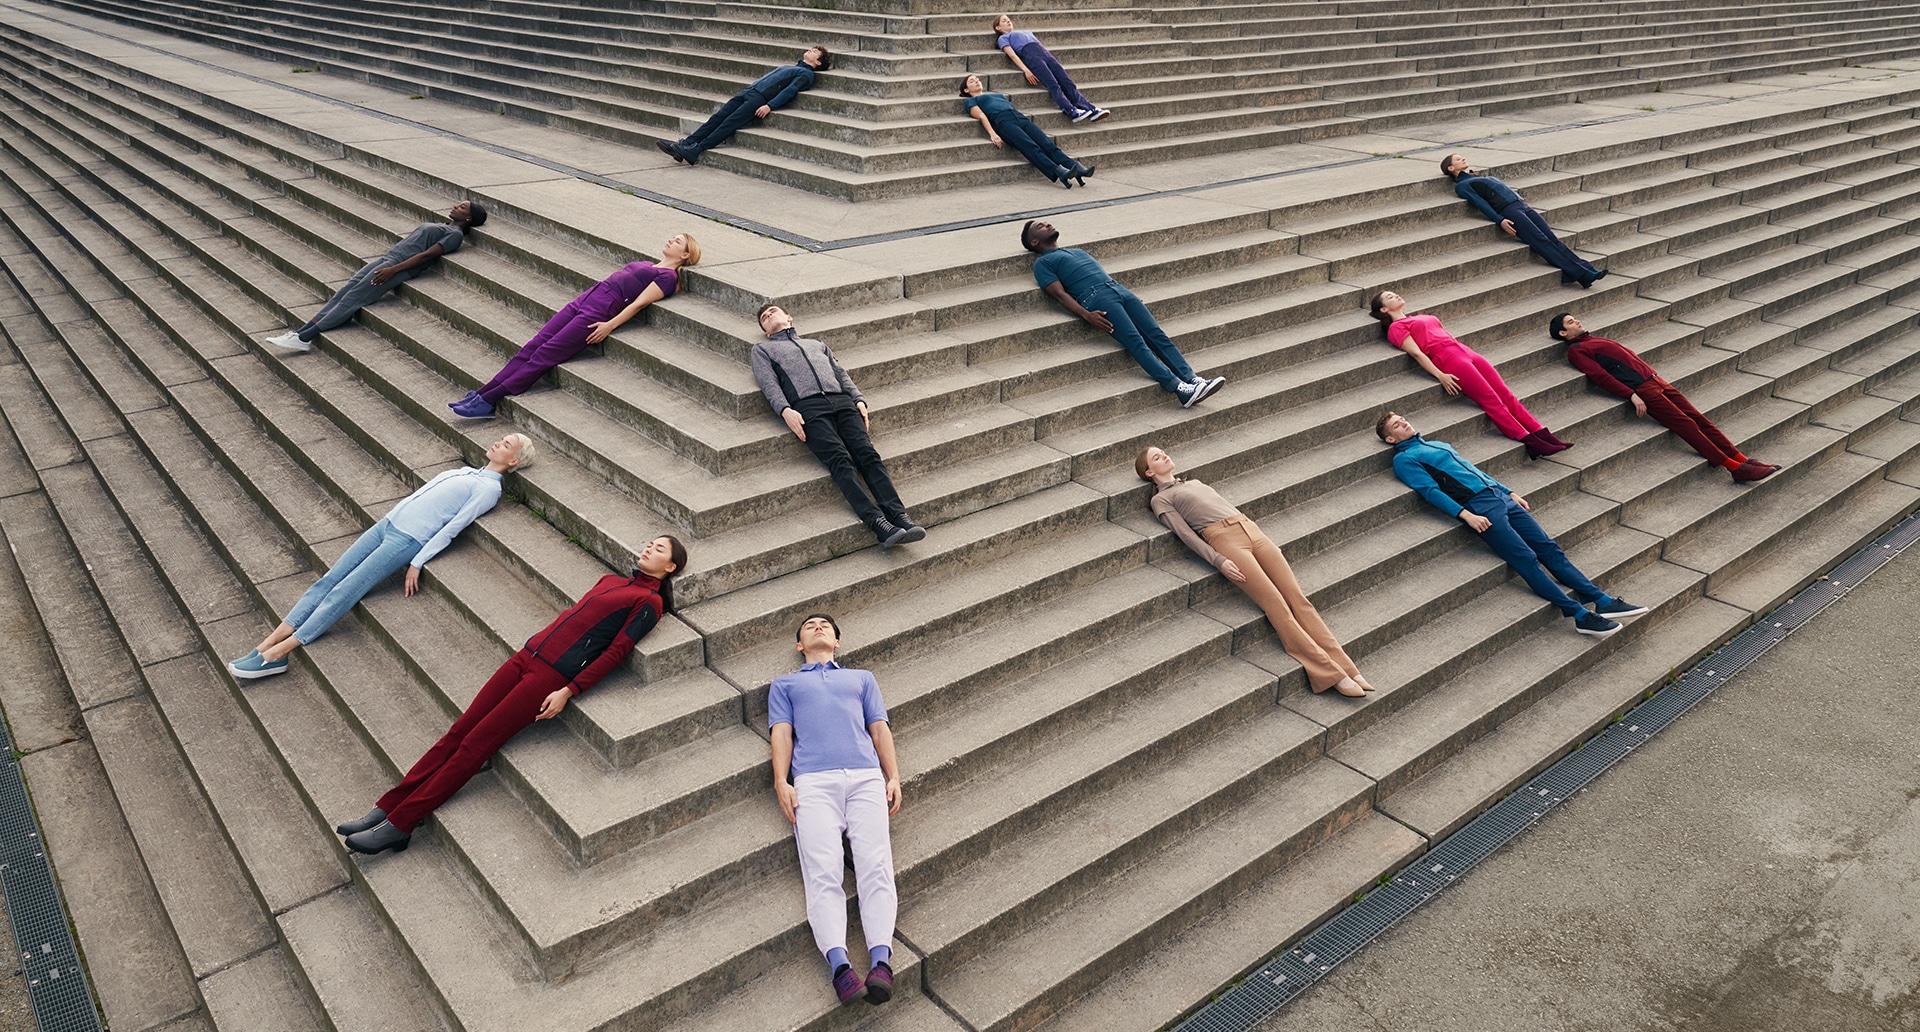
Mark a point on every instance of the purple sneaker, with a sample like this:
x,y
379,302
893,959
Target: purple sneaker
x,y
879,984
474,407
847,984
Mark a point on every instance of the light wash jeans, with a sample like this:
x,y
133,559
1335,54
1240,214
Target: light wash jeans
x,y
373,558
853,803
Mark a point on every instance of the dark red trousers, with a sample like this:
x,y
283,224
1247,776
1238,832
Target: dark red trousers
x,y
508,702
1671,409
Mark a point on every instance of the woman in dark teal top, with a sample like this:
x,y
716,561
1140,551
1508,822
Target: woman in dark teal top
x,y
1005,124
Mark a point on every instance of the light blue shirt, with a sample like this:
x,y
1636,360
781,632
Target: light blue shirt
x,y
443,507
829,708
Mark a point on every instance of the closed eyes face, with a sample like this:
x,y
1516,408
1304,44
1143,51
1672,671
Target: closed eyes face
x,y
506,450
773,318
818,633
1571,328
1159,463
974,85
656,560
1398,429
1457,164
675,247
1003,24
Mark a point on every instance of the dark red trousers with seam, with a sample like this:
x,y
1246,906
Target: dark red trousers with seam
x,y
1671,409
509,701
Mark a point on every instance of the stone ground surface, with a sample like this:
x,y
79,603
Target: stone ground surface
x,y
16,1011
1749,870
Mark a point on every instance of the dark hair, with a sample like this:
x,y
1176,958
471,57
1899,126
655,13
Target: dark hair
x,y
476,214
817,616
763,310
1558,323
1380,428
1379,312
994,27
677,552
1026,239
1446,167
963,84
826,57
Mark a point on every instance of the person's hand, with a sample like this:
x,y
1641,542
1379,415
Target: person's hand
x,y
893,796
413,580
795,423
762,111
866,422
997,141
1450,382
788,800
382,276
1032,79
600,330
1519,501
556,702
1639,407
1232,571
1507,224
1478,522
1100,320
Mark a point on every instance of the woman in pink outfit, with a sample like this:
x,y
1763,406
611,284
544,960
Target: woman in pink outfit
x,y
1462,370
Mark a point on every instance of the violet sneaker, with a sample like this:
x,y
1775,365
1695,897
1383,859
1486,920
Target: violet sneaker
x,y
847,984
880,984
475,407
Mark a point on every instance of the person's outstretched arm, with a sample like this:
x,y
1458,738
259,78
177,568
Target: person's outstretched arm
x,y
1032,80
601,330
882,734
1198,545
1097,318
1471,196
1447,380
486,494
795,84
782,738
430,254
988,126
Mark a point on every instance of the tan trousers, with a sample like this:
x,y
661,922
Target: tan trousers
x,y
1271,585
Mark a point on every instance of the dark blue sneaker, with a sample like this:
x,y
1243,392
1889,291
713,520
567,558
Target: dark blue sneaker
x,y
254,665
1619,609
1594,624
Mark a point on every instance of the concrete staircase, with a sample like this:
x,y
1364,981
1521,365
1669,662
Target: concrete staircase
x,y
1183,80
1120,795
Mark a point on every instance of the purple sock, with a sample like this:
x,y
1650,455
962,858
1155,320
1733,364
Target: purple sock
x,y
837,958
881,954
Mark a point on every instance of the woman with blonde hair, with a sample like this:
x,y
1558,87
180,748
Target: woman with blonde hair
x,y
1234,545
410,534
588,319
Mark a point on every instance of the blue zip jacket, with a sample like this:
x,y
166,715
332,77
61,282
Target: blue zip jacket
x,y
1486,193
783,84
1437,473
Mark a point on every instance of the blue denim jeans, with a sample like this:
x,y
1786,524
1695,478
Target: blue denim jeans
x,y
1519,539
1136,330
373,558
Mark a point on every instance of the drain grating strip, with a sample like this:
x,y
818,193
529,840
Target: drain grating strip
x,y
62,999
1277,982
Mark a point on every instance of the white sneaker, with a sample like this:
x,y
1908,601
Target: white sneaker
x,y
291,341
1081,116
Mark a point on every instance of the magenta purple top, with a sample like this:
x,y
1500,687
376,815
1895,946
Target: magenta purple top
x,y
632,279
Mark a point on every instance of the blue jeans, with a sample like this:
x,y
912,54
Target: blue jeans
x,y
1036,145
373,558
733,116
1134,328
1519,539
1535,233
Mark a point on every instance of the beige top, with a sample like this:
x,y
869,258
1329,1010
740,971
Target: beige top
x,y
1188,506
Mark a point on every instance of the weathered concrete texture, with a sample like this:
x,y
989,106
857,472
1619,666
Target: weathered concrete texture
x,y
39,706
1750,870
141,977
96,662
259,994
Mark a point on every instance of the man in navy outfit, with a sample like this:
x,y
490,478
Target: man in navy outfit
x,y
1503,520
835,774
768,93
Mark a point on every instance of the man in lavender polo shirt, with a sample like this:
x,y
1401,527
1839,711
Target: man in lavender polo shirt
x,y
835,774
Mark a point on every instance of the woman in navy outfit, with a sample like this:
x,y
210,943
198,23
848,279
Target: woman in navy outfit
x,y
1499,203
1005,124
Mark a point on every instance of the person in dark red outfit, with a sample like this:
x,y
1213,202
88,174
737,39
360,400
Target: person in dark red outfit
x,y
571,655
1616,369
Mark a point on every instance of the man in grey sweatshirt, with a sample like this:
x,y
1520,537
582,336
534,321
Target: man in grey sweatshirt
x,y
808,389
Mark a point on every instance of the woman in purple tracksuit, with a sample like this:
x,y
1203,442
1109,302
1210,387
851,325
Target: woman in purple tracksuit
x,y
588,319
1041,68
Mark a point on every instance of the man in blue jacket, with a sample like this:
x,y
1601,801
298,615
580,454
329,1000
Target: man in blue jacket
x,y
1503,520
1497,201
769,92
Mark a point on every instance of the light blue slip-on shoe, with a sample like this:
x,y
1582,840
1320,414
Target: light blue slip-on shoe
x,y
254,665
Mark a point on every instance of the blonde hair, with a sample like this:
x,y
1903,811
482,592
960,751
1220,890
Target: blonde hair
x,y
693,250
523,450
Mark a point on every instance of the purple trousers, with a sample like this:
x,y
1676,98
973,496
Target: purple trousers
x,y
564,336
1058,84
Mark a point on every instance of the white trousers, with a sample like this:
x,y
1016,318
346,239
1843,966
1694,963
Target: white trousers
x,y
853,803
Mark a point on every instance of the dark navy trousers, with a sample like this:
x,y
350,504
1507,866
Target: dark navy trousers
x,y
1533,231
1519,539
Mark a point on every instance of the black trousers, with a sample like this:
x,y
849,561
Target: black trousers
x,y
838,438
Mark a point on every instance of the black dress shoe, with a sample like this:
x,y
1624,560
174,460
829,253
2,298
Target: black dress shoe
x,y
670,150
373,817
378,839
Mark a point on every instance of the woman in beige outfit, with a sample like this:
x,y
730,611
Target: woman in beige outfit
x,y
1236,547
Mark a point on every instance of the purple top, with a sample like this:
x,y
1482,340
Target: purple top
x,y
632,280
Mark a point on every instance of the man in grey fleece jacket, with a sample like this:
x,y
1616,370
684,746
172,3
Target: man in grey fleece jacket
x,y
807,387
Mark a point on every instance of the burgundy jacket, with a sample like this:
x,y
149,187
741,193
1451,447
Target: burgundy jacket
x,y
1611,364
600,630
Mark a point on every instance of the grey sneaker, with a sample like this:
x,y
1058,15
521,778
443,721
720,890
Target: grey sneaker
x,y
291,341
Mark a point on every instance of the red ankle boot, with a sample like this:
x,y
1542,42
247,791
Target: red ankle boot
x,y
1540,444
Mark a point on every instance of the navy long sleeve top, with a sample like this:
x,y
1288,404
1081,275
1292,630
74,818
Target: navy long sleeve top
x,y
1486,193
784,83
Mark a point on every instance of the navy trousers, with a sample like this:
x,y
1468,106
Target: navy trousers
x,y
1535,233
733,116
1519,539
1030,140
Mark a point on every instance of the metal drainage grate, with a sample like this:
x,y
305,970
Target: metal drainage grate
x,y
62,999
1286,976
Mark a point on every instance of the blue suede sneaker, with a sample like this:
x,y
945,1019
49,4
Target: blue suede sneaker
x,y
254,665
1618,608
1594,624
